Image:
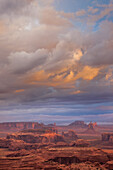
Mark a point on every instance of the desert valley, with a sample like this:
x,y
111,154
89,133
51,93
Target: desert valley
x,y
77,146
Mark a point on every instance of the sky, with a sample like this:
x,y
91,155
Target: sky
x,y
56,61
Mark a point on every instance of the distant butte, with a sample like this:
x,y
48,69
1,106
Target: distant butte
x,y
91,129
78,124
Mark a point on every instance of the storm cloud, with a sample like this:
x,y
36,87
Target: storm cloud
x,y
51,56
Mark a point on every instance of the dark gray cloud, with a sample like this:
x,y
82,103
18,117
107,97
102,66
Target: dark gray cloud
x,y
21,62
99,49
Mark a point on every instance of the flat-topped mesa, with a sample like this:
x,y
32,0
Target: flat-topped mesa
x,y
42,130
20,125
45,138
42,135
79,124
107,137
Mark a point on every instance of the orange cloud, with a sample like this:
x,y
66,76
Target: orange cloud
x,y
63,78
19,91
40,76
108,76
2,27
76,92
77,55
70,77
88,73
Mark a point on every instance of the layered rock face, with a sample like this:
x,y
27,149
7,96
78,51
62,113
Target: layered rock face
x,y
20,125
57,159
107,137
37,138
31,139
80,143
70,135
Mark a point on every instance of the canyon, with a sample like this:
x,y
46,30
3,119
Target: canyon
x,y
52,147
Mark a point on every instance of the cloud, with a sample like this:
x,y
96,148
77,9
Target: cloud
x,y
51,17
21,62
12,6
88,73
102,14
80,13
45,55
99,46
2,28
40,116
19,91
93,10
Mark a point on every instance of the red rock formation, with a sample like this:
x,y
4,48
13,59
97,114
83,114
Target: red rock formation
x,y
20,125
81,155
4,143
37,138
91,126
80,143
91,129
109,165
70,135
42,130
107,137
111,139
56,158
95,124
21,153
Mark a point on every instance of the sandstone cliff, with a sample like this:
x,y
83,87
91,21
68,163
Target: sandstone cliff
x,y
37,138
20,125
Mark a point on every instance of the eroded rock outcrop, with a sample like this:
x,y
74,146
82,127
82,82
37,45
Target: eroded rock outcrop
x,y
37,138
80,143
67,160
109,165
57,158
91,128
107,137
70,135
78,156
